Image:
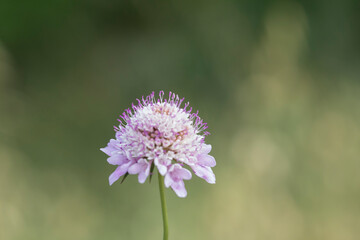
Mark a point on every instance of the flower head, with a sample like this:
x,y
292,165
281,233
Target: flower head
x,y
161,133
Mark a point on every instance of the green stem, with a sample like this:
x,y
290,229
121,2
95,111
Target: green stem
x,y
163,206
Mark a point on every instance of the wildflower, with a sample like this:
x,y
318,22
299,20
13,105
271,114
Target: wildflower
x,y
160,133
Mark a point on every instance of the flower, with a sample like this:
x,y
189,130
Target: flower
x,y
160,133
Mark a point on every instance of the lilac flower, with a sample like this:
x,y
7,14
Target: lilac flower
x,y
159,132
174,178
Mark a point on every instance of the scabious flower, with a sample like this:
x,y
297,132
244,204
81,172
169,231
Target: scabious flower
x,y
161,133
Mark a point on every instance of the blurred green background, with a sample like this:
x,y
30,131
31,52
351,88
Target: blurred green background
x,y
277,82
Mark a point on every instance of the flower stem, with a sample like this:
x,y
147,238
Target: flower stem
x,y
163,206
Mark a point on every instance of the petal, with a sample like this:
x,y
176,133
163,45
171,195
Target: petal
x,y
179,189
117,159
186,174
206,148
135,168
147,169
162,169
205,173
107,150
120,170
206,160
168,180
142,167
182,173
142,177
111,147
116,174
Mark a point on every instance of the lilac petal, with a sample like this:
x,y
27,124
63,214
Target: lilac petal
x,y
120,170
116,174
147,169
205,173
168,180
107,150
182,173
206,148
135,168
110,147
162,169
117,159
145,173
160,166
206,160
142,177
179,189
142,167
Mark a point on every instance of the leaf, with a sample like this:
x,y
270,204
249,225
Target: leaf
x,y
151,171
124,177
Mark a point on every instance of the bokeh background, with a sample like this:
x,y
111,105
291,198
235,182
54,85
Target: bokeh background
x,y
277,82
